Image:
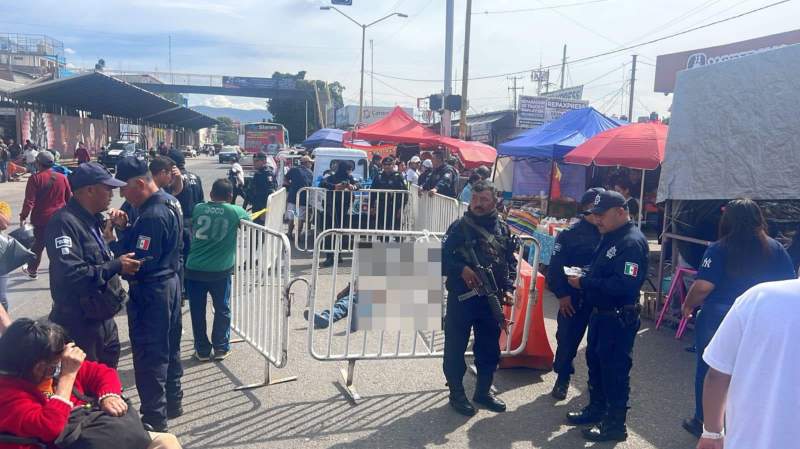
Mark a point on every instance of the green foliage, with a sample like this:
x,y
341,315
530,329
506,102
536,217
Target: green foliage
x,y
227,132
290,112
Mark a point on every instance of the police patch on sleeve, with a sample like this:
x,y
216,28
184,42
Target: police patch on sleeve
x,y
631,269
143,243
64,243
556,248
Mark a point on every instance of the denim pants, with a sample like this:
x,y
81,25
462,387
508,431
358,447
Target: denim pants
x,y
3,171
4,291
323,319
220,291
708,321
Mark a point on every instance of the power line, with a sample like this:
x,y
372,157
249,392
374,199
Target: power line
x,y
610,52
513,11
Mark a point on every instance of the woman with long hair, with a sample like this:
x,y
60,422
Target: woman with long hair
x,y
743,257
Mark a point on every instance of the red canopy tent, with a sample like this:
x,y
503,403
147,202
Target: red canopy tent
x,y
638,146
399,127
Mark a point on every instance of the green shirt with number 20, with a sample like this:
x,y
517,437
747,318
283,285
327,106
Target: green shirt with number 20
x,y
214,228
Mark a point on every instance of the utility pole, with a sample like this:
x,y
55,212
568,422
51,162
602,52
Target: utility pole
x,y
633,82
462,132
372,74
514,89
448,65
563,65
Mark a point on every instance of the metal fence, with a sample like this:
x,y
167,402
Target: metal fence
x,y
260,301
341,342
435,212
345,209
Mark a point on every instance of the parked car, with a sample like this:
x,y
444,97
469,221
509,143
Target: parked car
x,y
188,151
229,154
119,150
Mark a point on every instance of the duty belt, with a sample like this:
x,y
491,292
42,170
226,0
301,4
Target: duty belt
x,y
617,310
151,280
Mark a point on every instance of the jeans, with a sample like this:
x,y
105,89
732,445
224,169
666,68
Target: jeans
x,y
325,318
708,321
3,171
220,291
4,291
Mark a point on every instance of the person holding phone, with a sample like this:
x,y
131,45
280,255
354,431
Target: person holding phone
x,y
81,264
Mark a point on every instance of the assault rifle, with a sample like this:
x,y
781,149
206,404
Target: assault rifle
x,y
488,288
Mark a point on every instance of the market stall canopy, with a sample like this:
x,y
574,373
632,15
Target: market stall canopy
x,y
472,154
397,127
733,131
555,139
329,137
639,145
103,94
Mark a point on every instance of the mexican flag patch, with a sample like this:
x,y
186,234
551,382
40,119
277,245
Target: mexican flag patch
x,y
631,269
143,243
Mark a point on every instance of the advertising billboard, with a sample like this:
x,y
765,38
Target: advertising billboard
x,y
668,66
573,93
62,132
535,111
348,115
264,136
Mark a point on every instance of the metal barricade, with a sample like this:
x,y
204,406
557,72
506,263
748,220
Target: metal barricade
x,y
367,209
260,302
435,213
347,344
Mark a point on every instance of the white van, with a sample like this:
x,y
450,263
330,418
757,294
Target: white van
x,y
326,159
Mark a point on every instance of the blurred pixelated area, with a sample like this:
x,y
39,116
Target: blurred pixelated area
x,y
399,286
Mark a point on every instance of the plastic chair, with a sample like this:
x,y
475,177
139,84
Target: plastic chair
x,y
678,287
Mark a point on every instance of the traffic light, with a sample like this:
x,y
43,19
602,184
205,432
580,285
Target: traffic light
x,y
453,103
435,102
342,2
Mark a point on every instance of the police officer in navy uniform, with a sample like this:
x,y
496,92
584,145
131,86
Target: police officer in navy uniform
x,y
487,234
443,177
386,206
261,186
573,248
82,266
154,309
611,286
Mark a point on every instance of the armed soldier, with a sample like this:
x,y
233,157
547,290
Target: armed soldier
x,y
478,260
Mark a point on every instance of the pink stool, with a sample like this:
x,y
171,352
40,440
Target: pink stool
x,y
677,286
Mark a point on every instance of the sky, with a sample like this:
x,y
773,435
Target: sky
x,y
259,37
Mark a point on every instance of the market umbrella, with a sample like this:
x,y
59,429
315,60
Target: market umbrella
x,y
638,146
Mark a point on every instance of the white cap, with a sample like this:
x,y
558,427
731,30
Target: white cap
x,y
414,159
427,163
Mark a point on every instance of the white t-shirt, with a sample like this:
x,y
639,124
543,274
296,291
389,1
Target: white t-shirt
x,y
30,155
412,176
758,345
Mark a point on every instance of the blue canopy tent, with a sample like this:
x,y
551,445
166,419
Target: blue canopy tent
x,y
537,152
328,137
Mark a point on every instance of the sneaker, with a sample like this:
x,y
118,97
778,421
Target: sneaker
x,y
200,357
220,355
28,273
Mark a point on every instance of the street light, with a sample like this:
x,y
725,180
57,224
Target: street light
x,y
363,39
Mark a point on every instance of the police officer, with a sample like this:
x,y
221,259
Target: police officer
x,y
481,234
154,313
573,248
339,201
386,207
611,287
262,185
442,179
83,268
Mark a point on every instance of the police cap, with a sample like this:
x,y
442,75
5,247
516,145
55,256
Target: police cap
x,y
589,196
260,156
605,200
131,167
91,173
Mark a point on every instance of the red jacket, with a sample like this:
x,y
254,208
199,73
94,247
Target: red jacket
x,y
27,412
41,201
82,155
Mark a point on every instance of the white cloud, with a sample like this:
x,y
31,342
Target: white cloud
x,y
69,51
219,101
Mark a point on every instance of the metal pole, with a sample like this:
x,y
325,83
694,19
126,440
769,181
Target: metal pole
x,y
462,132
305,122
361,90
372,74
641,200
448,66
563,65
633,82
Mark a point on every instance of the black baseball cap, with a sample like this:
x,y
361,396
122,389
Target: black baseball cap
x,y
131,167
91,173
589,196
176,157
605,200
260,156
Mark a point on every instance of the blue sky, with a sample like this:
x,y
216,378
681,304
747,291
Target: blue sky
x,y
256,38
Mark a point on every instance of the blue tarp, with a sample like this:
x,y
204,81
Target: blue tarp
x,y
559,137
328,137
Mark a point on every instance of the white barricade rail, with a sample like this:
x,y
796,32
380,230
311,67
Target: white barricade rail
x,y
276,209
435,212
344,209
260,301
346,344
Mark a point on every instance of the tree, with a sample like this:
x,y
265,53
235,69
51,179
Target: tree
x,y
290,112
101,64
227,132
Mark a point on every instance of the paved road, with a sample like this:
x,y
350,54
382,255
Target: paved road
x,y
405,402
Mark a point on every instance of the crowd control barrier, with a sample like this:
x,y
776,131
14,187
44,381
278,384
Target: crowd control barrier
x,y
346,209
435,212
276,208
260,302
345,343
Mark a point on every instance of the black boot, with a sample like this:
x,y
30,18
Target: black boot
x,y
484,396
560,388
460,403
328,261
612,428
591,414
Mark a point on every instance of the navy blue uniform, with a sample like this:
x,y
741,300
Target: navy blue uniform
x,y
386,206
618,270
474,313
262,186
574,248
81,264
154,310
443,179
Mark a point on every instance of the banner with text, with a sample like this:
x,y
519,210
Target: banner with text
x,y
535,111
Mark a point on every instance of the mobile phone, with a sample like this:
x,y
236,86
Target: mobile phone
x,y
145,259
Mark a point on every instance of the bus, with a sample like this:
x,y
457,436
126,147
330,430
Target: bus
x,y
265,137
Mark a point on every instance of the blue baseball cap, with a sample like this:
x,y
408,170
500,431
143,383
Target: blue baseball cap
x,y
607,199
131,167
91,173
589,196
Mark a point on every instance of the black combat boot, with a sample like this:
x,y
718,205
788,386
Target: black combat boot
x,y
560,388
591,414
460,403
612,428
484,396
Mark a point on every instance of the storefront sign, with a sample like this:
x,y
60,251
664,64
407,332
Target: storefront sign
x,y
572,93
535,111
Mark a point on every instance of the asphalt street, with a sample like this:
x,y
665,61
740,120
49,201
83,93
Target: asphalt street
x,y
404,403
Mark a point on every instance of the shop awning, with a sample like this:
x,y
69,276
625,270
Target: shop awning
x,y
397,127
640,146
472,154
99,93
